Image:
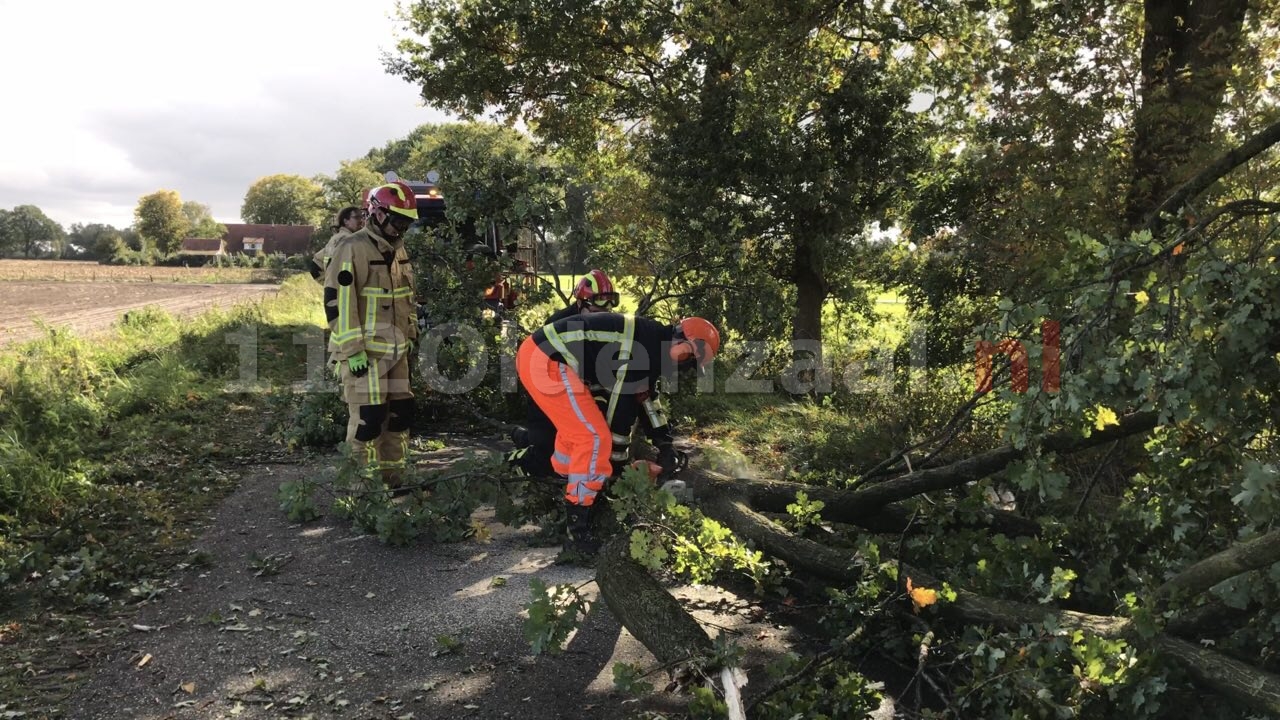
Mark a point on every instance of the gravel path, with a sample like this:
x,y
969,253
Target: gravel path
x,y
351,628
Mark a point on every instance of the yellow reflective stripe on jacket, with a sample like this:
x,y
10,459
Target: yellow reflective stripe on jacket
x,y
624,354
657,416
385,348
377,292
604,336
348,309
554,338
370,319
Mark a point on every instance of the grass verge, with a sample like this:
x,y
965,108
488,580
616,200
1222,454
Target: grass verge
x,y
107,461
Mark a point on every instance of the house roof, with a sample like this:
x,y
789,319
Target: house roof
x,y
285,239
192,246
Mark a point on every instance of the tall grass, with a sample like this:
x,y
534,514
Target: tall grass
x,y
69,407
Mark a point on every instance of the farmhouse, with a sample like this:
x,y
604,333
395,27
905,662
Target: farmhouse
x,y
252,239
203,247
268,239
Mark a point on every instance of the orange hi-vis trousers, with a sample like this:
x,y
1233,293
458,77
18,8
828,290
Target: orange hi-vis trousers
x,y
583,439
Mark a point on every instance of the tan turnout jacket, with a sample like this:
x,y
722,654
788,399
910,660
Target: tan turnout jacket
x,y
368,297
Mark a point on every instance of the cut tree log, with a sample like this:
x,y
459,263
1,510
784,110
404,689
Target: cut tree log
x,y
645,608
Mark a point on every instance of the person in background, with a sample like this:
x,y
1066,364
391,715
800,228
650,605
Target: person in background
x,y
350,219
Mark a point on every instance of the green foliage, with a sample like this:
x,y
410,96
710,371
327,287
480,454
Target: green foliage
x,y
804,513
768,142
317,420
97,461
297,500
438,506
667,534
284,200
27,230
94,241
554,613
705,705
629,679
200,221
161,221
347,185
834,690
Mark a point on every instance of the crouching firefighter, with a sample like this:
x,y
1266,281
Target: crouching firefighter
x,y
623,354
535,442
369,303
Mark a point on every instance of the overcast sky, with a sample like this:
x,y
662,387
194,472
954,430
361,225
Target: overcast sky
x,y
108,101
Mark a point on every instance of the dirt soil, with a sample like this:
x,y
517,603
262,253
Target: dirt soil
x,y
352,628
89,307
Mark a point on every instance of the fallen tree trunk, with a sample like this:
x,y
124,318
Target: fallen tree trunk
x,y
774,496
863,506
799,553
1213,619
645,608
1250,686
1247,685
1239,681
1236,560
656,618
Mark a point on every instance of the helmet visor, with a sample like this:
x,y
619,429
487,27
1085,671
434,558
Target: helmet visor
x,y
400,222
605,300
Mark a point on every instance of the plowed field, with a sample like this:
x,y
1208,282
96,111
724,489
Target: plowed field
x,y
90,307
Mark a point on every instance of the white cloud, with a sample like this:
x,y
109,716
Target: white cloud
x,y
110,101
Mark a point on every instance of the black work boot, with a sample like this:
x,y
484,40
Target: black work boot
x,y
581,544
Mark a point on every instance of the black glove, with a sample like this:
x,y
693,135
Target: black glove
x,y
670,459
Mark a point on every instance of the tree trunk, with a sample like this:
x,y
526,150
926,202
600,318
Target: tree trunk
x,y
863,506
1187,51
1243,683
812,289
820,560
806,324
1236,560
645,608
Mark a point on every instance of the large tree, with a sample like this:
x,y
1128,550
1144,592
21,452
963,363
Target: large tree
x,y
1189,48
160,220
200,219
96,240
346,187
774,128
284,200
1141,553
27,230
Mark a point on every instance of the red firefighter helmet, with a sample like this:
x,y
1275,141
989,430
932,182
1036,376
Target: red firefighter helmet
x,y
394,197
595,288
701,340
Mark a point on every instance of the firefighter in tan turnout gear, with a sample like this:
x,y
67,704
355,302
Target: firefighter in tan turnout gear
x,y
369,303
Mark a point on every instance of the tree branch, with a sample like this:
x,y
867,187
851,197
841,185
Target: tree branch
x,y
1236,560
1215,171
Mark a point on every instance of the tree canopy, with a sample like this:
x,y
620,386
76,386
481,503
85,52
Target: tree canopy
x,y
161,220
26,230
200,221
1088,187
284,200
